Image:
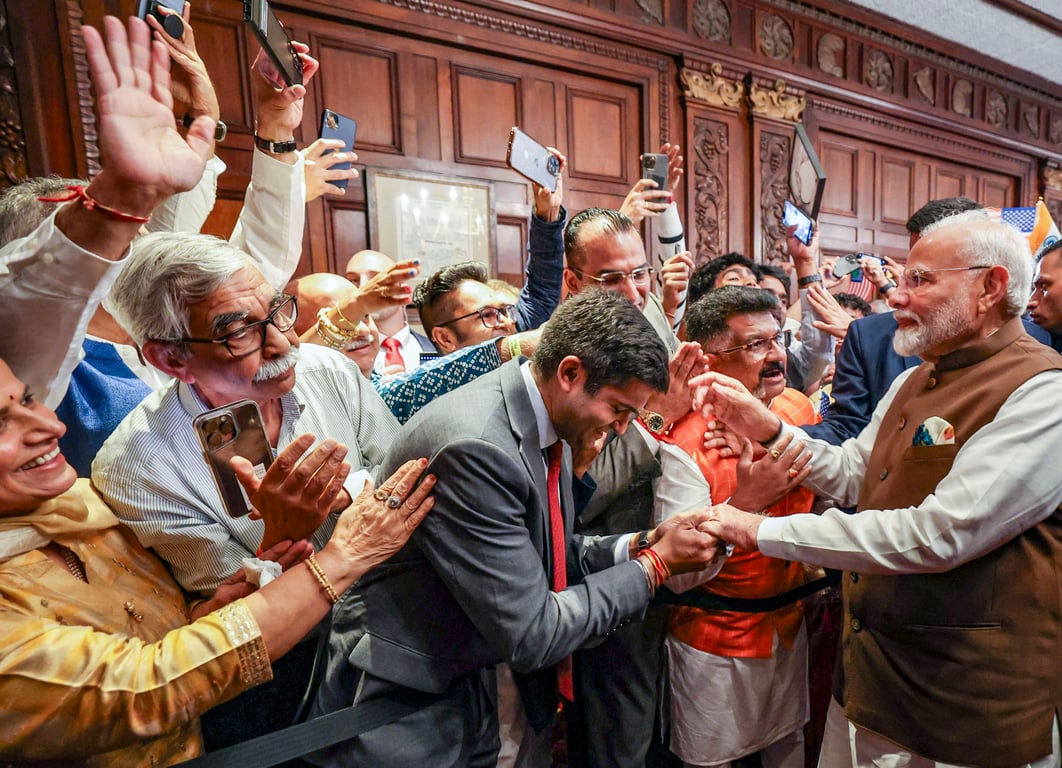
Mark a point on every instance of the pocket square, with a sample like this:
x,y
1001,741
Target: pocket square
x,y
934,431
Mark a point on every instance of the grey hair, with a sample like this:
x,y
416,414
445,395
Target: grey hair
x,y
20,210
166,273
1004,245
996,244
974,216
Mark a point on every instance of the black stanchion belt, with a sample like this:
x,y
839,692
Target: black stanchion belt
x,y
706,601
298,740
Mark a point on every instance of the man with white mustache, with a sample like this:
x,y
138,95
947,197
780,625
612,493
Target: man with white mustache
x,y
203,313
950,648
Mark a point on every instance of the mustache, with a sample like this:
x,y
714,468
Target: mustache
x,y
770,368
278,366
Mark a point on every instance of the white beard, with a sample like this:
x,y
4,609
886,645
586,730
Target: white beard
x,y
943,323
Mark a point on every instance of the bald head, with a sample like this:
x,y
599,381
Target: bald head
x,y
365,265
313,293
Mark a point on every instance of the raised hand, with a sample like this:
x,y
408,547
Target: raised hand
x,y
297,492
645,199
190,83
675,277
145,160
319,167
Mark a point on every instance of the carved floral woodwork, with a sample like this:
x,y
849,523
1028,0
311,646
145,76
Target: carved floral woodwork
x,y
878,71
774,189
712,88
775,103
711,20
996,109
711,158
12,137
776,37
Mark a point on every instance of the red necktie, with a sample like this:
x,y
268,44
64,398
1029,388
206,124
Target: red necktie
x,y
393,354
558,548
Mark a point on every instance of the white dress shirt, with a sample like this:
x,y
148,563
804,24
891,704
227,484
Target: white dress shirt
x,y
999,486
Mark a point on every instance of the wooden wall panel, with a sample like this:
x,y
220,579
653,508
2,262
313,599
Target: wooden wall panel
x,y
486,106
363,84
839,163
598,134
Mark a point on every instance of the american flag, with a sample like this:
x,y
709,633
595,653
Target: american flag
x,y
1034,222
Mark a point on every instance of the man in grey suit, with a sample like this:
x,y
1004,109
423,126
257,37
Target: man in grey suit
x,y
473,588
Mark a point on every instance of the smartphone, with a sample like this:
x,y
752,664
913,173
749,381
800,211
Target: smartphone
x,y
235,429
174,25
805,226
532,160
274,39
654,167
849,265
337,126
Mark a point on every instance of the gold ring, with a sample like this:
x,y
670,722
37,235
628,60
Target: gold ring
x,y
793,471
776,454
381,494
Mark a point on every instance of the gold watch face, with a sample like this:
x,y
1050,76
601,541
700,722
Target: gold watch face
x,y
653,421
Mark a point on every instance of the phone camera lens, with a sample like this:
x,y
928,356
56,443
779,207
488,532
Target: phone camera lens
x,y
553,165
174,26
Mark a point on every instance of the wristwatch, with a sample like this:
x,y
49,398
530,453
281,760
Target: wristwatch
x,y
653,421
220,130
643,541
804,282
274,147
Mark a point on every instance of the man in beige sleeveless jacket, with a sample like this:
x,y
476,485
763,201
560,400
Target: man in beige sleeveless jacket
x,y
951,652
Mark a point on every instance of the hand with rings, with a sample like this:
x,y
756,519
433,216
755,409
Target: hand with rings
x,y
370,531
763,482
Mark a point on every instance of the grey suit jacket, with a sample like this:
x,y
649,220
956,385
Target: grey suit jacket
x,y
470,589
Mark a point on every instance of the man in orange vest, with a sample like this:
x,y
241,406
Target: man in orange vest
x,y
739,680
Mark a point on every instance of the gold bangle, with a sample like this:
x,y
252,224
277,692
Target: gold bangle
x,y
344,317
326,585
513,343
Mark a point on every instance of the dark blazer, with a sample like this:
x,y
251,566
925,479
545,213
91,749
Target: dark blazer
x,y
866,366
470,589
424,341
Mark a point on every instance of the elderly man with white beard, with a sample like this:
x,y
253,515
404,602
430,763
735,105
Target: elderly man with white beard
x,y
951,644
202,312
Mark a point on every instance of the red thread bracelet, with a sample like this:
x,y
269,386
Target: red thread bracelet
x,y
78,191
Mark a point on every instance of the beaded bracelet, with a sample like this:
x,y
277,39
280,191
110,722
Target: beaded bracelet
x,y
326,585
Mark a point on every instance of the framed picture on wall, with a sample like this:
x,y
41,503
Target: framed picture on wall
x,y
436,219
807,179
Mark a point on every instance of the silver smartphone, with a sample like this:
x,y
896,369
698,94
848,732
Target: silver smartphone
x,y
235,429
532,160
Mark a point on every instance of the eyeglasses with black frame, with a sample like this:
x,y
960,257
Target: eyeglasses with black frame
x,y
639,276
759,347
491,317
252,337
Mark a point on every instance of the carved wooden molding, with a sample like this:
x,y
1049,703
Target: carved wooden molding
x,y
654,9
801,8
774,102
552,36
844,110
85,102
711,160
774,190
712,88
13,160
996,110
